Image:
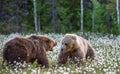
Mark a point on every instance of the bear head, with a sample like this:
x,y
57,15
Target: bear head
x,y
69,43
45,41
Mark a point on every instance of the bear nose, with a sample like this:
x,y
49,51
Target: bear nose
x,y
61,49
55,44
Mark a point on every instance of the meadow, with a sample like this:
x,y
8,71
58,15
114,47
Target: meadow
x,y
107,49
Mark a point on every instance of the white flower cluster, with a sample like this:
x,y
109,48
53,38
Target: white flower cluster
x,y
107,48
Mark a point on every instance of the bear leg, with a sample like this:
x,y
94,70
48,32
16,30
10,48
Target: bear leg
x,y
90,52
78,57
62,58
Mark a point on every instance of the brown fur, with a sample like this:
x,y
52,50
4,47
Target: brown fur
x,y
28,49
76,49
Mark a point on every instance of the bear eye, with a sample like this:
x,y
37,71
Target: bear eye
x,y
66,44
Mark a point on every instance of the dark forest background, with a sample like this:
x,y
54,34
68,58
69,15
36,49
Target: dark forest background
x,y
59,16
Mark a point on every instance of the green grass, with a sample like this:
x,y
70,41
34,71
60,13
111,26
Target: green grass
x,y
107,48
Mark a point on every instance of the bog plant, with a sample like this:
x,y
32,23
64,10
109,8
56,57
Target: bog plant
x,y
107,48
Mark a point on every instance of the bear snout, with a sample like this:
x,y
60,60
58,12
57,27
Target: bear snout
x,y
62,49
55,43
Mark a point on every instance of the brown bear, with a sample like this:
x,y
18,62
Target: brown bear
x,y
28,49
75,48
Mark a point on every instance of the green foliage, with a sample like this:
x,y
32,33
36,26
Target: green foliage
x,y
68,16
105,18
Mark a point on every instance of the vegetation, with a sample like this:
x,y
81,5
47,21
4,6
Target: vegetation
x,y
107,60
101,26
59,16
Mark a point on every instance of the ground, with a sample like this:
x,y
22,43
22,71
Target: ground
x,y
107,48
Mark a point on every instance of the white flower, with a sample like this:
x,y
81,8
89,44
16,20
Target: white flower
x,y
48,73
65,73
24,73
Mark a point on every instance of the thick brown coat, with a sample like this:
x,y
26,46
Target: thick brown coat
x,y
75,48
28,50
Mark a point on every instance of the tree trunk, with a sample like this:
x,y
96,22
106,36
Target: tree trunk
x,y
54,16
118,13
35,18
1,5
81,15
117,8
93,19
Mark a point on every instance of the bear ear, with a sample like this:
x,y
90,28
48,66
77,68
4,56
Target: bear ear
x,y
73,37
34,37
47,40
